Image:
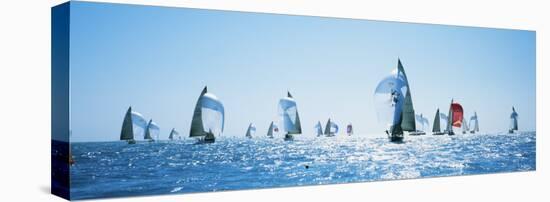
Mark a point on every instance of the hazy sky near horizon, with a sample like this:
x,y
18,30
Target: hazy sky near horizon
x,y
158,59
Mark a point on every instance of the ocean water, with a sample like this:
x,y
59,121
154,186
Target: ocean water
x,y
113,169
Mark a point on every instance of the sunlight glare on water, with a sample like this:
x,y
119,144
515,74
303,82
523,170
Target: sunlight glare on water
x,y
110,169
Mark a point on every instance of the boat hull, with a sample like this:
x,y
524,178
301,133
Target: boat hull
x,y
416,133
289,137
396,138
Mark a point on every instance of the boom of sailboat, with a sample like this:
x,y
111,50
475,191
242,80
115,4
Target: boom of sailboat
x,y
392,98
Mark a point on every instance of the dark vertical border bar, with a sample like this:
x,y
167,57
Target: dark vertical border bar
x,y
60,145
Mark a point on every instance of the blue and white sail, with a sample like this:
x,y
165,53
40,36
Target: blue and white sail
x,y
133,126
208,117
288,111
389,99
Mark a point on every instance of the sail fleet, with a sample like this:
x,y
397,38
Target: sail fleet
x,y
392,97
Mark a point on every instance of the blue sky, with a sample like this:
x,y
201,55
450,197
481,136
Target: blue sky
x,y
158,59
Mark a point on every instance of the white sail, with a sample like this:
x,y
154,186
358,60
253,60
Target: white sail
x,y
288,111
389,97
174,134
208,116
465,127
422,122
443,120
333,128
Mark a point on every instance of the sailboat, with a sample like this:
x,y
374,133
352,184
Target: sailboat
x,y
151,130
289,115
174,134
208,118
250,131
423,121
475,122
331,129
394,104
349,129
272,129
465,127
437,126
513,121
455,117
319,128
133,125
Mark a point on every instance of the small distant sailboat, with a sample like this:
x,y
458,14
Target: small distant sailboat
x,y
208,118
289,114
437,126
151,130
455,117
331,128
319,129
133,126
465,127
174,134
394,104
250,131
423,122
272,129
349,129
475,122
513,121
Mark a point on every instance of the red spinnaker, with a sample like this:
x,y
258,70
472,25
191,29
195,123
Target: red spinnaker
x,y
457,114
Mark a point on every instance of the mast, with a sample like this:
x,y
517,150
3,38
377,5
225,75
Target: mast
x,y
436,127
